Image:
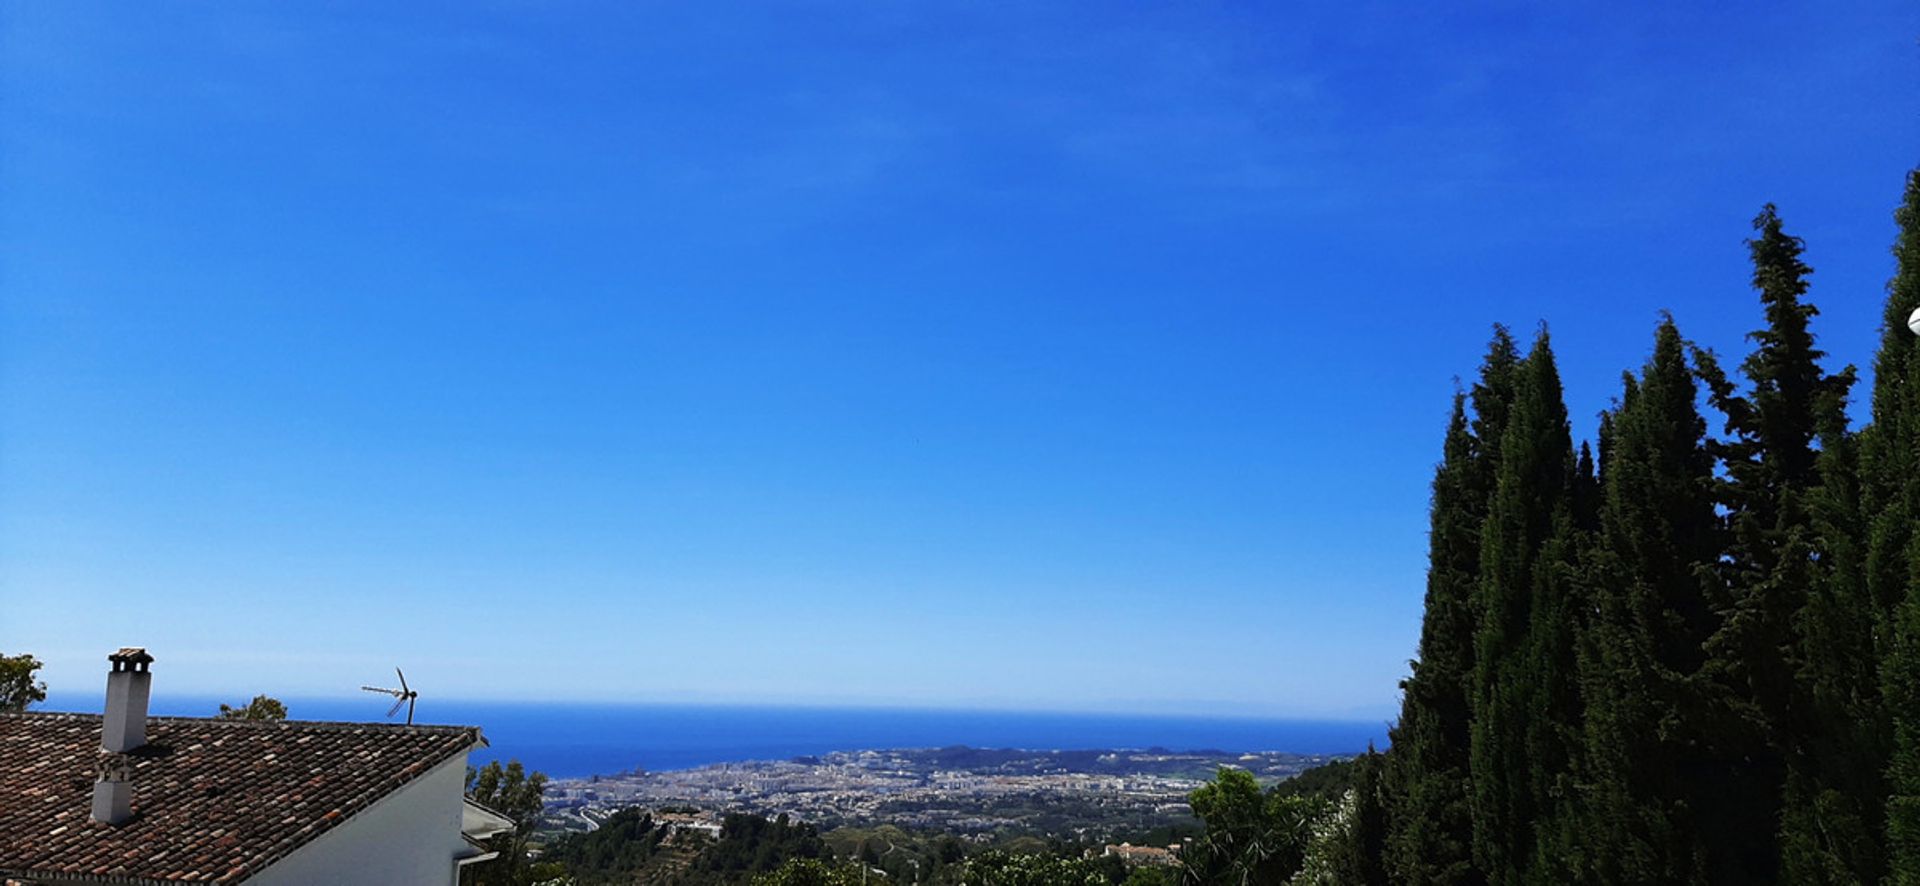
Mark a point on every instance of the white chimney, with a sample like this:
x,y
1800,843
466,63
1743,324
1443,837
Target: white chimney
x,y
128,686
123,729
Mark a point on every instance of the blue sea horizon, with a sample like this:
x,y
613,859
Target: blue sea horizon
x,y
580,739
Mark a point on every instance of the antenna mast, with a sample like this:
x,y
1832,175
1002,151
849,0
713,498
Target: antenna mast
x,y
402,696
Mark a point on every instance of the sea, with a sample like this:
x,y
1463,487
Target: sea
x,y
568,740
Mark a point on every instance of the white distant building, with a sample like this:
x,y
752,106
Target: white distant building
x,y
1144,855
129,799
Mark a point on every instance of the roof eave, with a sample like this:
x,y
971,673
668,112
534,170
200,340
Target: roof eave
x,y
66,877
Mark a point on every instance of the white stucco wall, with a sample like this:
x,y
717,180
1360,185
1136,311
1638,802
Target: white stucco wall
x,y
408,838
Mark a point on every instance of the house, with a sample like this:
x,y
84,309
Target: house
x,y
705,823
1144,855
123,798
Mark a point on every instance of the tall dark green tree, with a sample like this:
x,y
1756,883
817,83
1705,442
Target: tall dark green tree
x,y
1774,560
1650,616
1493,396
1838,735
1430,821
1586,490
1890,503
1522,685
1832,827
1693,660
1359,857
1432,825
1549,674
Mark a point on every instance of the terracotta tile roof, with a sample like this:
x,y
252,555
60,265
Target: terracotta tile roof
x,y
214,801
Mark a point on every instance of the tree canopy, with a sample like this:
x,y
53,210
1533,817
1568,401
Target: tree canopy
x,y
1253,837
262,707
511,791
1689,653
19,688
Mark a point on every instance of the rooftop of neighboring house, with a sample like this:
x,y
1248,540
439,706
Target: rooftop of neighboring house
x,y
1142,854
213,800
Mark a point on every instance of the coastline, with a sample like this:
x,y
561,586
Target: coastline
x,y
576,740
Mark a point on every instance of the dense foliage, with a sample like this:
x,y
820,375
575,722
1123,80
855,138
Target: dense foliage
x,y
622,845
752,844
262,707
1691,658
812,872
1328,781
631,847
517,794
1253,837
999,868
1889,505
913,856
19,687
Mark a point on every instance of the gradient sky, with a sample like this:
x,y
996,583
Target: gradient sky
x,y
1010,355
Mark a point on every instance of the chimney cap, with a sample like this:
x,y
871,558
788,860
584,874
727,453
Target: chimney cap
x,y
130,658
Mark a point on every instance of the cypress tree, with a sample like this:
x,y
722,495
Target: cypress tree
x,y
1493,396
1515,750
1773,561
1551,675
1648,619
1890,494
1832,824
1586,489
1430,824
1359,858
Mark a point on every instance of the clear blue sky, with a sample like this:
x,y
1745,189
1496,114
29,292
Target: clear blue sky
x,y
1015,355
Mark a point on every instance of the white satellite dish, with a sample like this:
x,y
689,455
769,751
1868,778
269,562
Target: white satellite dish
x,y
1913,321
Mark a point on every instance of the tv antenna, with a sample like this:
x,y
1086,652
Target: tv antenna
x,y
401,696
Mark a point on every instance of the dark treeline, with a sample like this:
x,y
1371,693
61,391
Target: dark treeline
x,y
631,847
1688,652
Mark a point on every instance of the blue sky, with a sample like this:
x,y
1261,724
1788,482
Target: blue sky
x,y
1009,355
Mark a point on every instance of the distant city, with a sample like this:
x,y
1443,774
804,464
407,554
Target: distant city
x,y
960,790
